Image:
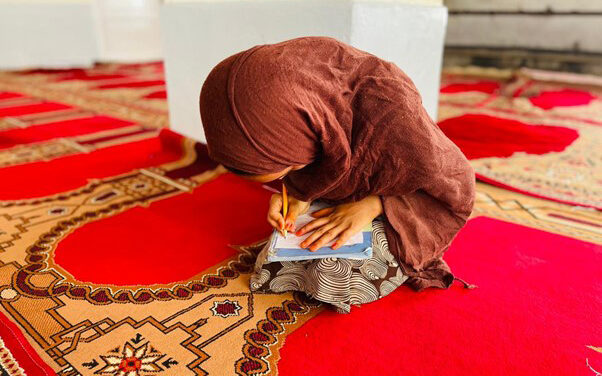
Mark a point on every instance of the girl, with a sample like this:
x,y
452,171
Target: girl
x,y
343,126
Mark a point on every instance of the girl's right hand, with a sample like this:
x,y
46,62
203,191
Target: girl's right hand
x,y
295,208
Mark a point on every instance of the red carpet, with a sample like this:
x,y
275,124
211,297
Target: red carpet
x,y
32,109
532,131
483,136
537,307
8,95
179,214
66,128
115,246
562,98
489,87
81,168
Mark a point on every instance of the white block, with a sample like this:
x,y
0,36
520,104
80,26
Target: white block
x,y
48,34
410,36
128,30
198,35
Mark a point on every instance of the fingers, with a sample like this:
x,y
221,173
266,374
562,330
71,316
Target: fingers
x,y
277,224
275,218
289,222
343,237
314,236
326,237
295,209
322,212
312,226
291,217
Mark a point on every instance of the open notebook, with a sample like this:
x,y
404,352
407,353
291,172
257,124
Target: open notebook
x,y
357,247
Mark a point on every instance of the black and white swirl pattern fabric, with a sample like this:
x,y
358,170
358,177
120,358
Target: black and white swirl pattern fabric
x,y
339,282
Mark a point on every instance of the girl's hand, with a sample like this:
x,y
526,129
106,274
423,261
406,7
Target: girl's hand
x,y
340,222
295,208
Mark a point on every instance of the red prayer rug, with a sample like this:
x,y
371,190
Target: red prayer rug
x,y
530,131
120,254
130,92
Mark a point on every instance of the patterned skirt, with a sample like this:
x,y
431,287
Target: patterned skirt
x,y
339,282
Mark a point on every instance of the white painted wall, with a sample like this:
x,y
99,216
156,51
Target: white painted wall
x,y
198,35
562,32
525,5
128,30
76,33
46,34
560,25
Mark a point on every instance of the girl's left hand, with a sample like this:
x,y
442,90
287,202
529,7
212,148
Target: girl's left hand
x,y
340,222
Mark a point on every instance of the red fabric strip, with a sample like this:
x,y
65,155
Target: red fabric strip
x,y
9,95
32,109
566,218
113,137
511,188
132,84
489,87
161,94
21,350
67,128
86,76
62,174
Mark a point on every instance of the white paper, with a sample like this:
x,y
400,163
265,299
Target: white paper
x,y
294,241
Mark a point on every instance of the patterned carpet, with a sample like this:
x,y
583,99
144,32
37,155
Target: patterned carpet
x,y
120,253
531,131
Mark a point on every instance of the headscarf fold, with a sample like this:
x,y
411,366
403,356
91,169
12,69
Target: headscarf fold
x,y
358,124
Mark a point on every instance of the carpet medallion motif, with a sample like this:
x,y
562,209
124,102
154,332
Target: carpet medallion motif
x,y
224,307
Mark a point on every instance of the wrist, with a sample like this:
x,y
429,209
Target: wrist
x,y
376,206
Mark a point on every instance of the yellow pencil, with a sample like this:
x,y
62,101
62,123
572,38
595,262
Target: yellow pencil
x,y
284,206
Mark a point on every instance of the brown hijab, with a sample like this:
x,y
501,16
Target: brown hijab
x,y
358,123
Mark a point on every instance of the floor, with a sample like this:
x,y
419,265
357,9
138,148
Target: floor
x,y
120,255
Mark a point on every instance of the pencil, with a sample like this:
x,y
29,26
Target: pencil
x,y
284,206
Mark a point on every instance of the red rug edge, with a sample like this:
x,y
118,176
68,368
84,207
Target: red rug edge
x,y
21,350
497,183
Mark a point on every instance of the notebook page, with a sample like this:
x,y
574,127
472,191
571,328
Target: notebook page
x,y
294,241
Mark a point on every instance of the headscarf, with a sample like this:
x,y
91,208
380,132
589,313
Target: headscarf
x,y
358,124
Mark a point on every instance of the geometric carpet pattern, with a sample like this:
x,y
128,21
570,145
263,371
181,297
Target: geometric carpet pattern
x,y
125,251
531,131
